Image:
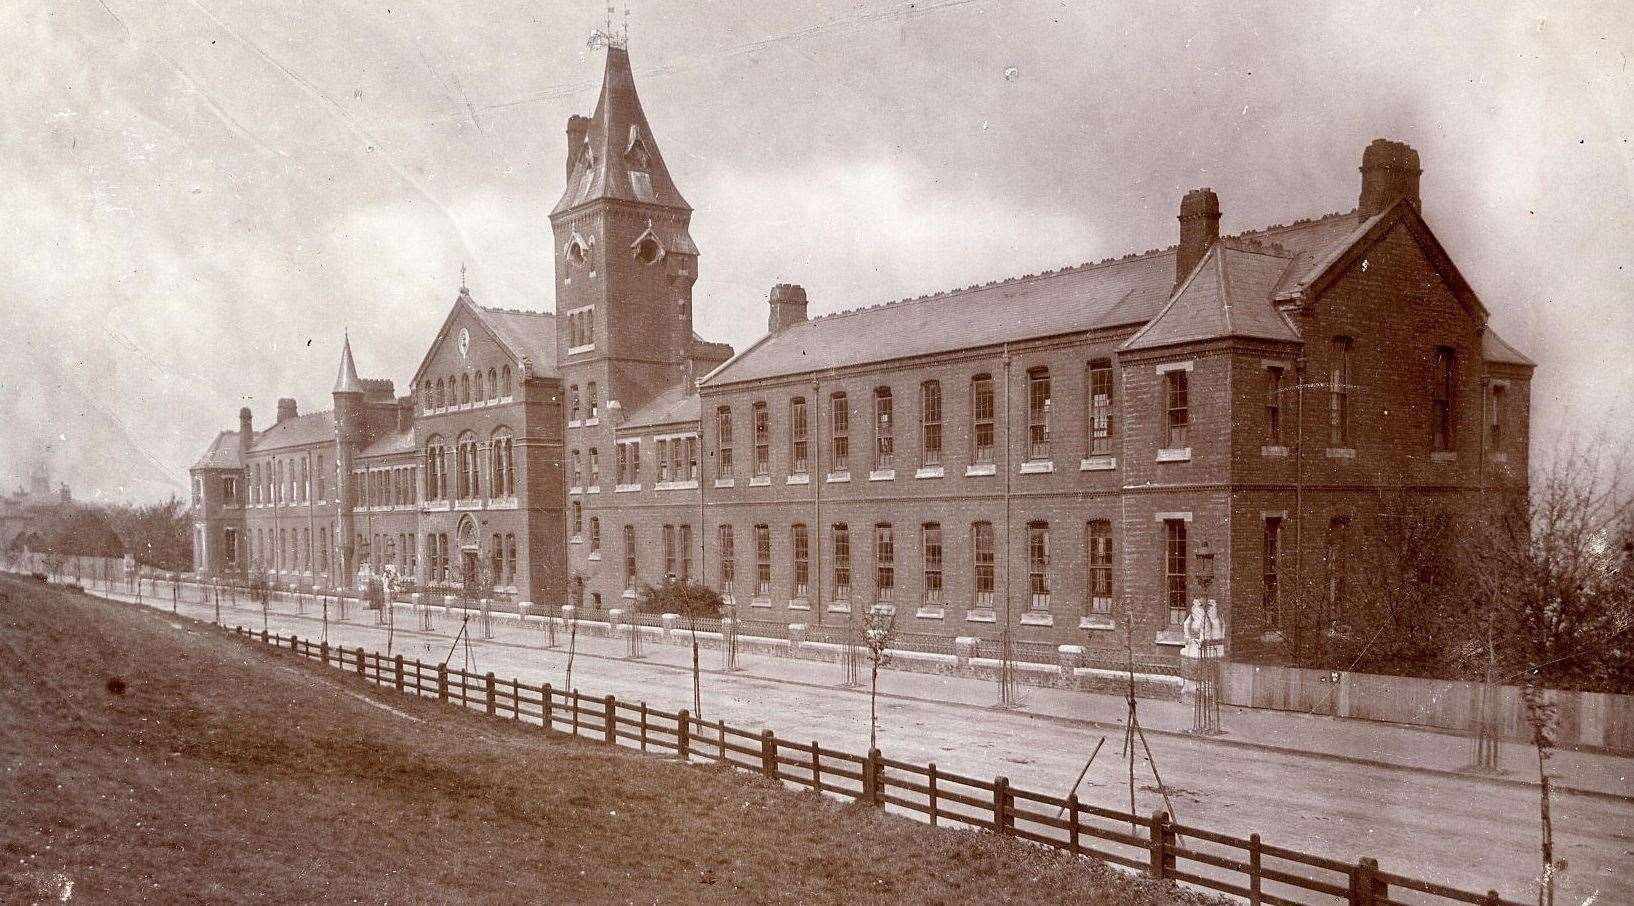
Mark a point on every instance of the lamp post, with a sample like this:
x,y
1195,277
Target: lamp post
x,y
1203,627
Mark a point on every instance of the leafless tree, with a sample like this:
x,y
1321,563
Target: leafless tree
x,y
879,631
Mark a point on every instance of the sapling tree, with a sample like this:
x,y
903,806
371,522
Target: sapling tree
x,y
693,601
878,632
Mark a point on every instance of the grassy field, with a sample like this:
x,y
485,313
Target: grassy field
x,y
148,758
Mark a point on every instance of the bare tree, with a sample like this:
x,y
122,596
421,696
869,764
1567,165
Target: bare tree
x,y
692,600
879,631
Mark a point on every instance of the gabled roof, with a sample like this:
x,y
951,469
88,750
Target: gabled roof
x,y
302,430
1228,294
387,444
675,405
619,158
1495,349
522,334
223,453
1116,292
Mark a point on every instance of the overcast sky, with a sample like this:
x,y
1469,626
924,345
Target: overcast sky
x,y
200,195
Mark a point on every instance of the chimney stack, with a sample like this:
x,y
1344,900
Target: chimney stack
x,y
286,410
577,128
788,306
1390,171
1199,229
245,433
405,415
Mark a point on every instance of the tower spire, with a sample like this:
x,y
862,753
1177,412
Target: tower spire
x,y
347,381
615,155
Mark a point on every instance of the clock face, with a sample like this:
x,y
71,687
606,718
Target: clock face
x,y
465,342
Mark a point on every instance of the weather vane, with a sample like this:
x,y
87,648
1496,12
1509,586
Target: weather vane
x,y
462,276
605,36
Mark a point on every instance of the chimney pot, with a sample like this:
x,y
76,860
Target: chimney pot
x,y
788,306
286,409
1199,229
1390,171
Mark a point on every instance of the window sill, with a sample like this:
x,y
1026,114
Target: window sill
x,y
593,489
981,468
1038,467
760,481
1273,452
883,608
625,488
760,602
801,478
1098,464
882,475
1037,618
930,612
689,485
1097,622
575,350
576,539
1341,453
1444,456
799,604
980,615
629,594
929,472
594,555
726,483
839,477
840,607
590,423
573,423
1500,458
1174,454
575,489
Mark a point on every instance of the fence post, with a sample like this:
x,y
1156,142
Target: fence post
x,y
263,636
1072,827
516,699
1162,840
720,739
397,672
930,778
609,720
362,663
768,754
488,692
1253,870
868,778
1001,805
442,683
574,702
683,729
643,726
1366,888
323,652
294,644
816,768
544,709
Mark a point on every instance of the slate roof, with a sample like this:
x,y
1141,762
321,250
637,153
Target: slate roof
x,y
309,428
616,127
223,453
1228,294
528,333
385,445
1494,349
675,404
1116,292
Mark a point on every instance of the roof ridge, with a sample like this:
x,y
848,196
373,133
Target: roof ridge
x,y
515,311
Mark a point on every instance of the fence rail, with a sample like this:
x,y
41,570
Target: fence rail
x,y
1154,844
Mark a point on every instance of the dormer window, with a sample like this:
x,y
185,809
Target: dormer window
x,y
636,153
578,249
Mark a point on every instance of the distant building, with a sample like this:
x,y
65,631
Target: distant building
x,y
1046,452
26,510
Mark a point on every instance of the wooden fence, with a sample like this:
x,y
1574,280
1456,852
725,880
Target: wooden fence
x,y
1249,868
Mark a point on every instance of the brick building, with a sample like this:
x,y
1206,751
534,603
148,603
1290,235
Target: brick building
x,y
1046,453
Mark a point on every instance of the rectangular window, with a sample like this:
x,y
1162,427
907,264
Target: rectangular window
x,y
1038,413
591,404
1441,398
1495,418
677,459
763,561
669,552
1175,578
884,447
1099,558
802,561
723,442
1339,393
981,419
595,470
982,562
1178,414
840,432
573,469
595,534
1271,598
842,561
578,518
930,423
930,536
1273,406
763,440
1100,408
686,553
691,459
884,561
629,558
663,459
798,444
728,554
1038,565
573,403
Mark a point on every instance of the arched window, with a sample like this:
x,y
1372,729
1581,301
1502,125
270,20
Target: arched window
x,y
436,469
465,388
439,400
505,381
426,399
501,467
493,384
479,396
470,471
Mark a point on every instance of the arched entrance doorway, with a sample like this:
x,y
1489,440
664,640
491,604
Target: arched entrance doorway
x,y
469,549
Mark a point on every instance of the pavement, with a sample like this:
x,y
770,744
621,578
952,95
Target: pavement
x,y
1337,787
